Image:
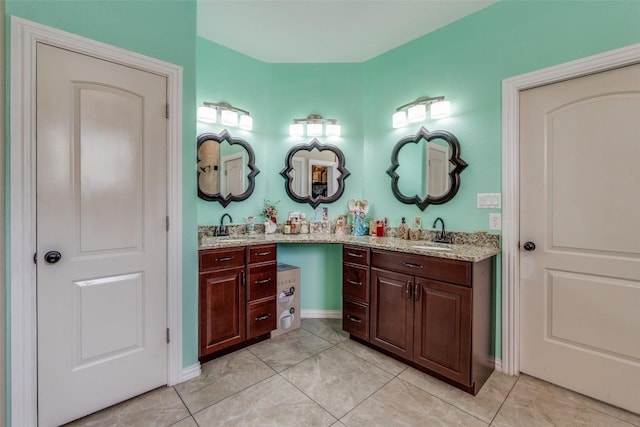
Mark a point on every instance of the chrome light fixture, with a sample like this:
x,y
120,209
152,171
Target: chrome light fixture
x,y
316,125
416,111
229,115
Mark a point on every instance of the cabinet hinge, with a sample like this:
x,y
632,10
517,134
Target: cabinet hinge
x,y
168,336
167,111
167,223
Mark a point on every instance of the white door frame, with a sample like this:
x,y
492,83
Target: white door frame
x,y
223,164
24,37
511,181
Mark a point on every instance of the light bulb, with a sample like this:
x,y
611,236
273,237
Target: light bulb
x,y
296,129
399,119
207,114
417,113
333,130
246,122
314,129
229,118
440,109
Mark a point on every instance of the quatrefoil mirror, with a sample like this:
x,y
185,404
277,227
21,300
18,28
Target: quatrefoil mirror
x,y
226,168
425,168
314,173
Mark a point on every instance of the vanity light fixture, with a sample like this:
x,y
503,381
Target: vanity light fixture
x,y
229,115
315,126
416,111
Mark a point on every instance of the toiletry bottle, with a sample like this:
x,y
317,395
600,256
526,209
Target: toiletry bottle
x,y
287,227
404,229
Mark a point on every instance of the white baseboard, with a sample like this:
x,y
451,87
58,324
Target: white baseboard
x,y
321,314
190,372
497,363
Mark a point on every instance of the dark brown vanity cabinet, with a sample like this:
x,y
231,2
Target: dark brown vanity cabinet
x,y
355,291
435,313
237,296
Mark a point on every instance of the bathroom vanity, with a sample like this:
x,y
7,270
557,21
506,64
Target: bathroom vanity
x,y
237,296
427,304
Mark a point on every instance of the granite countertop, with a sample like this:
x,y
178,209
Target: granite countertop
x,y
464,252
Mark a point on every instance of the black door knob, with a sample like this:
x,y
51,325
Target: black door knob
x,y
52,257
529,246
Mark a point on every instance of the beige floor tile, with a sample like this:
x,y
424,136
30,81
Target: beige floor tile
x,y
187,422
402,404
220,378
287,350
272,402
484,405
537,403
157,408
327,329
382,361
337,380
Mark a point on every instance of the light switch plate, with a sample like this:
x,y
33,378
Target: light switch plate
x,y
495,221
489,200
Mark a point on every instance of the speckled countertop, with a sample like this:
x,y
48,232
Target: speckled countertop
x,y
464,252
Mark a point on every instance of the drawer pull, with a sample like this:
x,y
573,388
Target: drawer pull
x,y
411,265
263,281
264,253
354,254
353,282
407,290
354,319
227,258
263,317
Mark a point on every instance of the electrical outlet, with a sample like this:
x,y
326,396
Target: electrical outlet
x,y
495,221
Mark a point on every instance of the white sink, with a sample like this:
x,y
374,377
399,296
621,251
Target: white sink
x,y
432,248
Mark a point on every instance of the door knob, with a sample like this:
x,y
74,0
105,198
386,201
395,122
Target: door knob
x,y
529,246
52,257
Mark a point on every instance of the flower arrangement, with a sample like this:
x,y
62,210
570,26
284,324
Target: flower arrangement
x,y
269,211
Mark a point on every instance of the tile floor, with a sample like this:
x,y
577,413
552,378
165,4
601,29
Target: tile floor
x,y
316,376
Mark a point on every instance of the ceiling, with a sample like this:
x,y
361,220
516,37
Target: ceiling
x,y
312,31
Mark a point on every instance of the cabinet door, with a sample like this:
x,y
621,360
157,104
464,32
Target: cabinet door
x,y
442,341
222,310
392,312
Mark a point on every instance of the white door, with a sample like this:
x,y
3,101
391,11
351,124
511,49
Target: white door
x,y
101,203
234,175
580,286
438,170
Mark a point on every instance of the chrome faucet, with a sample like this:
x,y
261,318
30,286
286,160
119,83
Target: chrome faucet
x,y
441,236
224,230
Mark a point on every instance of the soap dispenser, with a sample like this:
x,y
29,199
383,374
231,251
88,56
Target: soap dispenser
x,y
404,230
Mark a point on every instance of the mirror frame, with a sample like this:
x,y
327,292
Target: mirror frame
x,y
314,201
454,174
225,136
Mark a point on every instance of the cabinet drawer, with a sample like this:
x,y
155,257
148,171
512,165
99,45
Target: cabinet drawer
x,y
261,317
216,259
261,281
355,255
355,283
446,270
355,319
262,253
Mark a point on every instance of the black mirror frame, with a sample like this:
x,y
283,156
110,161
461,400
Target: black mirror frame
x,y
459,166
225,136
314,201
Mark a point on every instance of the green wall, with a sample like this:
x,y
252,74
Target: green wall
x,y
465,61
163,30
